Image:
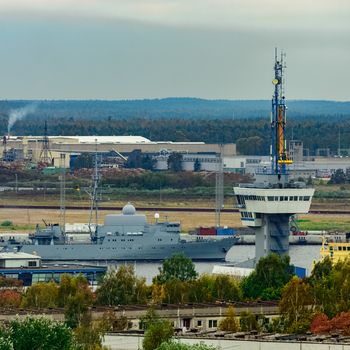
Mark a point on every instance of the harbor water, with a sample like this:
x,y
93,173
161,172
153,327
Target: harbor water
x,y
303,256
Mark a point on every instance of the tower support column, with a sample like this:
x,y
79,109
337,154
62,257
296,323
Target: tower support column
x,y
272,236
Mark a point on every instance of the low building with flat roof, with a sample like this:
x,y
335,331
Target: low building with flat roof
x,y
29,269
18,260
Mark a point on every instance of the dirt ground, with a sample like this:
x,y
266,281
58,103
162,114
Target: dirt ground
x,y
189,221
28,218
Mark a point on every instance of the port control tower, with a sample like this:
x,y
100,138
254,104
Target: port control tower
x,y
267,204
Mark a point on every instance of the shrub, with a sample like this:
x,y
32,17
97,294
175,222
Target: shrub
x,y
6,223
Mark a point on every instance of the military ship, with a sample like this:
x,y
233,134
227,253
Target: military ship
x,y
125,236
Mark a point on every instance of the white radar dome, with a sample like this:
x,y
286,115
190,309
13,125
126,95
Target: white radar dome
x,y
156,215
129,209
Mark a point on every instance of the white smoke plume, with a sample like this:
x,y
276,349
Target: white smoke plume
x,y
19,114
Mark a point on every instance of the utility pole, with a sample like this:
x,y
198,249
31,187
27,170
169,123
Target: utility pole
x,y
63,192
16,183
219,187
96,194
45,154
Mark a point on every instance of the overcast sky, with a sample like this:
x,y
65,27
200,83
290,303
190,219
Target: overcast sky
x,y
117,49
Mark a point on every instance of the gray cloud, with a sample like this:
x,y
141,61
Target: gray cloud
x,y
144,49
318,15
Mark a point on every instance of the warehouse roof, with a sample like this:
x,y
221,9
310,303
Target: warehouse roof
x,y
107,139
17,255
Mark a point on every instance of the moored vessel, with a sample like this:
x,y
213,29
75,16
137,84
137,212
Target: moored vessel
x,y
125,236
336,247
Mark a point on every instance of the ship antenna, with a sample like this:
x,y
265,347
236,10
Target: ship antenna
x,y
63,193
95,196
279,155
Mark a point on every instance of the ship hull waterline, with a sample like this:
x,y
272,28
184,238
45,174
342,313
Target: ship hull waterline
x,y
200,251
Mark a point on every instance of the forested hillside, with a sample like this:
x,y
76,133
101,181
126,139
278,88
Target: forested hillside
x,y
185,108
246,123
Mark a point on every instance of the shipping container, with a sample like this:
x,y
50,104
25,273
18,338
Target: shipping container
x,y
207,231
300,271
220,231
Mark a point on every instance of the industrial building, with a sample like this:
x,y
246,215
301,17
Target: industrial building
x,y
31,148
29,269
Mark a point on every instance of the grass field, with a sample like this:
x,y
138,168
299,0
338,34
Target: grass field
x,y
24,220
28,218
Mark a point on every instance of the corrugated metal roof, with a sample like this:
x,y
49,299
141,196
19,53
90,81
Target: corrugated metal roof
x,y
107,139
18,255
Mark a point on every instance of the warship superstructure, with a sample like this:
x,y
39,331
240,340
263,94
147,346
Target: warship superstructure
x,y
125,236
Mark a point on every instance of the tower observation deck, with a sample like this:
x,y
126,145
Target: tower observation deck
x,y
267,205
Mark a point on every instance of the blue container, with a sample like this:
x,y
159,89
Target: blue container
x,y
300,271
220,231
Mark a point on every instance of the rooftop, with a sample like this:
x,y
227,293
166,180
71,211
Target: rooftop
x,y
18,255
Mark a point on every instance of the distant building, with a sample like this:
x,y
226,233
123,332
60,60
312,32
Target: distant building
x,y
18,260
296,150
30,147
207,161
29,269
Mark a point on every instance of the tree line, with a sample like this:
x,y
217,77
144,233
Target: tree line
x,y
187,108
320,303
252,135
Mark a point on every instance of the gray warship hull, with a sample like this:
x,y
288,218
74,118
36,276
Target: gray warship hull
x,y
137,250
125,236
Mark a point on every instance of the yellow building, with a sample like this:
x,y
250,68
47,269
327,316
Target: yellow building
x,y
336,247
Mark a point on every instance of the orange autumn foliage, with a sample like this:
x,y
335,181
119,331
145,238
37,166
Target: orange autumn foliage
x,y
10,298
340,324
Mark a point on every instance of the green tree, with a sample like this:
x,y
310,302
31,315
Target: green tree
x,y
89,335
70,286
253,145
137,159
40,334
75,295
197,165
84,160
150,317
111,322
248,322
295,306
5,339
157,332
229,323
202,289
341,286
321,269
41,295
176,291
122,287
338,177
322,284
209,288
267,280
175,162
178,266
76,308
226,288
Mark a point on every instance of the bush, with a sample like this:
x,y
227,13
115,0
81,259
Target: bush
x,y
157,332
6,223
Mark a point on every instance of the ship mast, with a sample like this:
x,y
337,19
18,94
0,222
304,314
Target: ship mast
x,y
95,195
279,156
